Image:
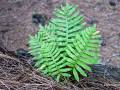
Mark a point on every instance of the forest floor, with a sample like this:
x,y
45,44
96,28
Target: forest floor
x,y
18,21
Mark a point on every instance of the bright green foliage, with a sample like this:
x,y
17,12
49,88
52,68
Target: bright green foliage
x,y
65,47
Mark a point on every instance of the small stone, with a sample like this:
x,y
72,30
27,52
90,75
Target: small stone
x,y
23,53
38,19
103,42
112,3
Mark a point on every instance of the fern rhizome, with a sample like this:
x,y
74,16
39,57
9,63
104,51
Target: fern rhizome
x,y
65,47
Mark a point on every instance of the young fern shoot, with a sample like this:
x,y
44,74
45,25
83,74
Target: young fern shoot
x,y
65,47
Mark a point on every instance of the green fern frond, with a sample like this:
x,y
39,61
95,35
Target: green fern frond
x,y
65,45
68,22
84,51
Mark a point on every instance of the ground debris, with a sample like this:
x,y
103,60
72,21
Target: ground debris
x,y
17,74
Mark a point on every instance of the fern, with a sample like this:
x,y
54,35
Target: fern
x,y
65,45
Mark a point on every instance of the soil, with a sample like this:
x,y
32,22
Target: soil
x,y
20,18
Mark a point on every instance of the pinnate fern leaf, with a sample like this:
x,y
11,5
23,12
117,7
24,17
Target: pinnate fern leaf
x,y
65,47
